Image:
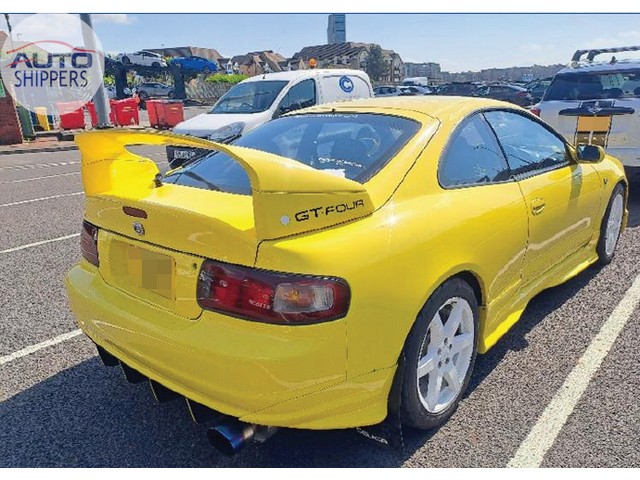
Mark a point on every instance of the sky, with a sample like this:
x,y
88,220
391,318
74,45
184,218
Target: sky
x,y
458,42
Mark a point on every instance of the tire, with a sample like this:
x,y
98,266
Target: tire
x,y
143,95
611,226
155,64
170,94
421,407
206,70
126,61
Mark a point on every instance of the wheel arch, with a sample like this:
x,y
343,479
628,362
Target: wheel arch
x,y
477,285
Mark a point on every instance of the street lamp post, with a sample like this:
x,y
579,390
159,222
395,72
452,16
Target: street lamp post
x,y
99,99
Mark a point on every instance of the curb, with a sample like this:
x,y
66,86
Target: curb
x,y
64,148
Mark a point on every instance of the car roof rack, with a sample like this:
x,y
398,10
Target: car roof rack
x,y
592,52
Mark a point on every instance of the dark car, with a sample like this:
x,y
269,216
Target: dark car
x,y
462,89
507,93
537,88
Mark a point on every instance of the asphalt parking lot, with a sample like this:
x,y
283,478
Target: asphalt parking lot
x,y
60,407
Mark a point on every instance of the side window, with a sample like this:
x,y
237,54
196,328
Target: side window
x,y
300,96
473,156
528,145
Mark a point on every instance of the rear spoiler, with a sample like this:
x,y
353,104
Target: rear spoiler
x,y
288,196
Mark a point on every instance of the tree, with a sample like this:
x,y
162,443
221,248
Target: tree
x,y
377,68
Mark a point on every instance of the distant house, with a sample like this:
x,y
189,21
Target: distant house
x,y
258,63
208,53
350,55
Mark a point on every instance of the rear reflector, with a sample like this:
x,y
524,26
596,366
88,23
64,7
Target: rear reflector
x,y
134,212
271,297
89,243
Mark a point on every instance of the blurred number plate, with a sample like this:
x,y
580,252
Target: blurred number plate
x,y
152,271
184,154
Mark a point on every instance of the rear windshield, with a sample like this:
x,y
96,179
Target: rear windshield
x,y
350,145
249,97
595,85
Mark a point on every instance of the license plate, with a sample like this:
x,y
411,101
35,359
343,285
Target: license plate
x,y
152,271
184,154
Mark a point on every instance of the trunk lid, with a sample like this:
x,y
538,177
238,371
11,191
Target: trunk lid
x,y
154,236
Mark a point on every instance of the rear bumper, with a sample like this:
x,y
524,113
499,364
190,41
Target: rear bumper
x,y
264,374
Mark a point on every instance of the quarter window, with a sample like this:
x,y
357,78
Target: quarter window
x,y
473,156
528,145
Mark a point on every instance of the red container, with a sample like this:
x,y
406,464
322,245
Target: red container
x,y
152,109
92,113
173,113
71,115
125,112
165,113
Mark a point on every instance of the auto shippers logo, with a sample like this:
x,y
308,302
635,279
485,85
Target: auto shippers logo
x,y
51,59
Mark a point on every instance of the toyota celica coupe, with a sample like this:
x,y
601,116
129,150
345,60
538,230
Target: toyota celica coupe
x,y
331,259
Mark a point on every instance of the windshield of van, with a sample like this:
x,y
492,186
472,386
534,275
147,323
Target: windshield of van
x,y
350,145
249,97
595,85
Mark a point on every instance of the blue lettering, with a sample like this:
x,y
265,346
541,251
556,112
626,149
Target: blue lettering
x,y
37,64
88,60
21,58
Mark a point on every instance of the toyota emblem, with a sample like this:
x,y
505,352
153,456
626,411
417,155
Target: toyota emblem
x,y
138,228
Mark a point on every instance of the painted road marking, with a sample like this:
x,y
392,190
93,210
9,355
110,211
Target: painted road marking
x,y
43,242
40,178
39,346
28,166
545,431
21,202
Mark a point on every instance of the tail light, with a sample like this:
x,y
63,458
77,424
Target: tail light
x,y
535,111
89,243
271,297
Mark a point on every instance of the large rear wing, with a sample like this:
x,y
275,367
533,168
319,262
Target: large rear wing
x,y
288,196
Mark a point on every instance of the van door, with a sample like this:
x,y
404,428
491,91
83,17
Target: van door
x,y
301,95
340,87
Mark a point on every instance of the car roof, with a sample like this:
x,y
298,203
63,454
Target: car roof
x,y
449,108
295,74
580,67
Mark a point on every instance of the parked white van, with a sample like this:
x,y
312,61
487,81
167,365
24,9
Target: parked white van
x,y
258,99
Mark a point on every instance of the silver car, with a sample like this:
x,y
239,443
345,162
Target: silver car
x,y
152,89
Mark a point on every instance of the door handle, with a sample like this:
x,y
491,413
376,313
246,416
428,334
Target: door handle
x,y
537,206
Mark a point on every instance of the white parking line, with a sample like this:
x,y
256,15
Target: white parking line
x,y
29,166
40,178
43,242
545,431
39,346
21,202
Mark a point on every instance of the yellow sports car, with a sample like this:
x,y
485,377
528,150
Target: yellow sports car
x,y
330,258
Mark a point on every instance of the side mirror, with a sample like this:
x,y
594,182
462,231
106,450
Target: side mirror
x,y
590,153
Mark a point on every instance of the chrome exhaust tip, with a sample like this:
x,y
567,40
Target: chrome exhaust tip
x,y
230,437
